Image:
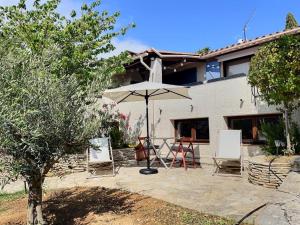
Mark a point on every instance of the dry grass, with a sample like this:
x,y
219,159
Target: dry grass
x,y
96,206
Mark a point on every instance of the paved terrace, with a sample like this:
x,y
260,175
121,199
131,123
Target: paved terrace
x,y
195,189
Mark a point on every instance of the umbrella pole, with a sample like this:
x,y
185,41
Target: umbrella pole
x,y
148,170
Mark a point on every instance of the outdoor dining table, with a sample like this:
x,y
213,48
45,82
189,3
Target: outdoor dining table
x,y
158,151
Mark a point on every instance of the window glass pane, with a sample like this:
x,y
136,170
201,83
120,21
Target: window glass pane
x,y
240,66
184,129
251,126
197,129
181,78
202,129
243,124
212,70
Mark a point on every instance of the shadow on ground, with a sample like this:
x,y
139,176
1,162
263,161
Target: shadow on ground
x,y
74,205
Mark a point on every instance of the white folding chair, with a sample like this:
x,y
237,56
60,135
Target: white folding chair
x,y
229,150
100,151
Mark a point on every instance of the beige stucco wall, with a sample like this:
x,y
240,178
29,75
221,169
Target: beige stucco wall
x,y
215,100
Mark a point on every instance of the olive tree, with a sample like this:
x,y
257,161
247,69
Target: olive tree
x,y
275,71
51,73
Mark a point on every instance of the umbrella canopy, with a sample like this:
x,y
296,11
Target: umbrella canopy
x,y
145,91
155,91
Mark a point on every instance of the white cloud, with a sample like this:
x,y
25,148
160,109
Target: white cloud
x,y
127,44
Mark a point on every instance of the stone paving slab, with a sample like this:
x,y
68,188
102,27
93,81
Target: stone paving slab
x,y
284,209
195,189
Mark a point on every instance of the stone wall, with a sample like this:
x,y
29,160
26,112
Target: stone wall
x,y
78,162
271,173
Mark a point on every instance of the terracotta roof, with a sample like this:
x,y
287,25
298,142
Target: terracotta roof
x,y
228,49
164,52
250,43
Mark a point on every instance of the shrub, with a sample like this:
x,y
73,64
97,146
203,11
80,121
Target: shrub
x,y
273,132
115,135
295,138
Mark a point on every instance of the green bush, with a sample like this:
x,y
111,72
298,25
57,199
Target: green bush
x,y
295,138
118,139
116,136
273,132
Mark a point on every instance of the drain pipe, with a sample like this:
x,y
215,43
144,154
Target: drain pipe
x,y
141,58
173,56
144,64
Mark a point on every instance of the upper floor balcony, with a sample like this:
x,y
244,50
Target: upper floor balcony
x,y
193,69
185,69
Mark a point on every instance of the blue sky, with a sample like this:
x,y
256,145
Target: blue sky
x,y
191,24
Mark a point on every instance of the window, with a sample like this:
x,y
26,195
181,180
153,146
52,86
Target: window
x,y
251,126
237,67
212,70
197,129
181,78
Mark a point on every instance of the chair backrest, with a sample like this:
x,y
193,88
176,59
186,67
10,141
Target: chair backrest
x,y
142,141
100,150
229,144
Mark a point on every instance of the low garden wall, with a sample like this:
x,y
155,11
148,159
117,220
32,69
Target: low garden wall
x,y
270,172
78,162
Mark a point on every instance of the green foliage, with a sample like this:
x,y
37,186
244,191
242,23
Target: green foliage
x,y
290,21
116,125
51,69
82,38
116,137
204,51
51,72
110,124
12,196
275,70
273,132
295,137
42,116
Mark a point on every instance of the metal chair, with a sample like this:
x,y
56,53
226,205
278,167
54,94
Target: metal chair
x,y
183,150
141,149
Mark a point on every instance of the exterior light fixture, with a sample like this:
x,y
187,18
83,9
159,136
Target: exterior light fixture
x,y
160,111
241,103
175,70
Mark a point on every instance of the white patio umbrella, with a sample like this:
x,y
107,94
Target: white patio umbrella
x,y
146,91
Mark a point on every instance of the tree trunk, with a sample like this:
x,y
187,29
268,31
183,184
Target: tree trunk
x,y
35,198
287,131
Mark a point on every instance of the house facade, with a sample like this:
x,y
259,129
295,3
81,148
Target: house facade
x,y
221,96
